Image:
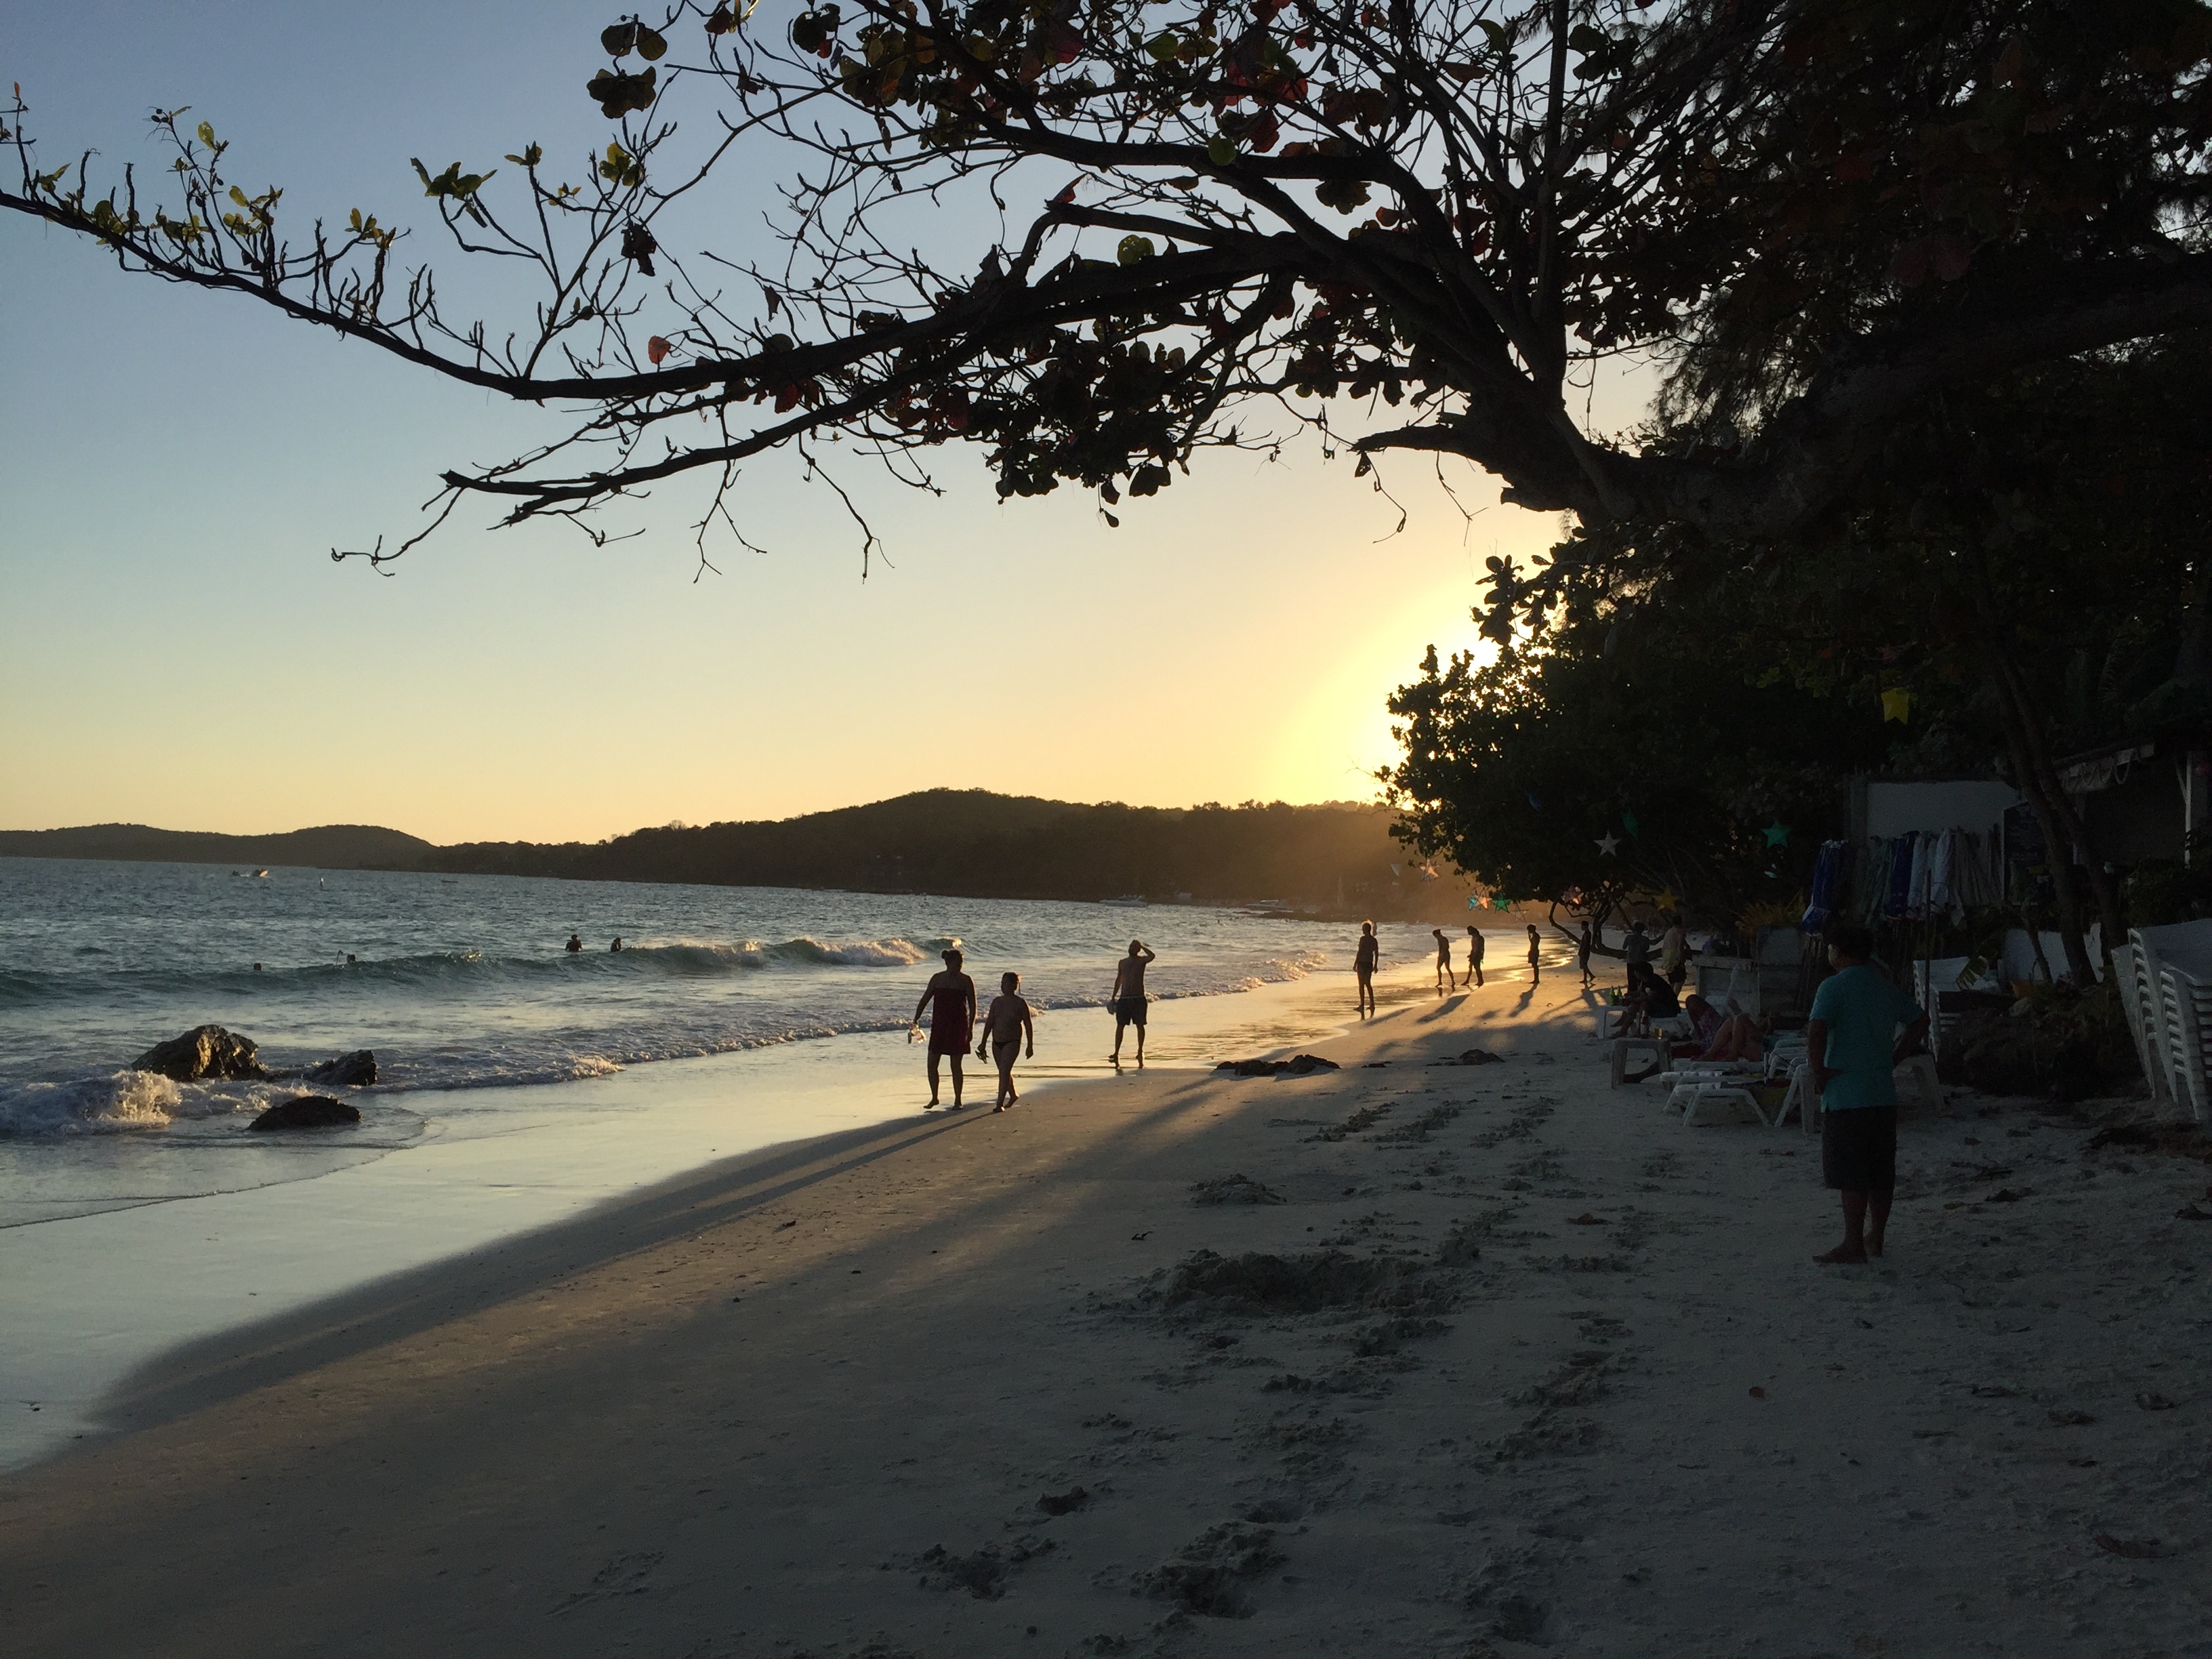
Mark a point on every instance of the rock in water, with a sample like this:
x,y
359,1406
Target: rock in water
x,y
206,1051
357,1069
307,1112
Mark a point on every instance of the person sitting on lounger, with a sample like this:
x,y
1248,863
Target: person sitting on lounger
x,y
1717,1036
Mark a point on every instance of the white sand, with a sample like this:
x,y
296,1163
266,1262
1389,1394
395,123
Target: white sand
x,y
808,1402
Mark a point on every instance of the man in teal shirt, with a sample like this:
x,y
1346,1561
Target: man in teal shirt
x,y
1854,1044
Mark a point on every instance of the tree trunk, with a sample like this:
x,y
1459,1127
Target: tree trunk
x,y
2057,845
2113,929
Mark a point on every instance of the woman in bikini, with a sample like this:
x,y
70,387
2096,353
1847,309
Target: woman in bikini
x,y
951,999
1004,1029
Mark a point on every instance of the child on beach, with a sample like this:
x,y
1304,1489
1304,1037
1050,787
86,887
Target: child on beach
x,y
1535,969
1005,1027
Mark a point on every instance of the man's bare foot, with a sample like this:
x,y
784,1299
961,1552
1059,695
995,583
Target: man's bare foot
x,y
1844,1256
1874,1244
1001,1107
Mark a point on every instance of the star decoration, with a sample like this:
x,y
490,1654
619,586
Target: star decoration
x,y
1668,900
1778,834
1610,844
1897,705
1475,900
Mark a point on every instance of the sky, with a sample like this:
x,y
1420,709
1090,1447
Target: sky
x,y
177,648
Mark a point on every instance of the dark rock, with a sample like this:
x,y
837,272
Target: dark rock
x,y
357,1070
1061,1502
307,1112
205,1052
1297,1065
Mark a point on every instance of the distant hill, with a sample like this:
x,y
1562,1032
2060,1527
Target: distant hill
x,y
969,843
331,846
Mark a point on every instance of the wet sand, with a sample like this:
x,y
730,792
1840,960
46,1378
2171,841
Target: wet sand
x,y
1536,1369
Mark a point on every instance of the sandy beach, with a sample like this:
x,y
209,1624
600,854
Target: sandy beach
x,y
1526,1366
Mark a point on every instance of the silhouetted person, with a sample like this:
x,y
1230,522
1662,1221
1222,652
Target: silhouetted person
x,y
1853,1042
1474,955
1443,960
1005,1026
575,945
1535,969
950,996
1363,966
617,945
1585,943
1128,996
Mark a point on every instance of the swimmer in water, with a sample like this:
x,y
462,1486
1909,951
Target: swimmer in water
x,y
575,945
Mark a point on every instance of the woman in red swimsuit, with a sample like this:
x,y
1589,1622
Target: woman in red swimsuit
x,y
951,999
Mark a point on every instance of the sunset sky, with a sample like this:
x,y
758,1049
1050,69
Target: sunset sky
x,y
177,648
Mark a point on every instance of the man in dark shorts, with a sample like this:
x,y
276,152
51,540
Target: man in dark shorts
x,y
1474,955
1127,996
1444,980
1853,1045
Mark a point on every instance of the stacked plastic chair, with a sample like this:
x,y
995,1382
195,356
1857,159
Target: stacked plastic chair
x,y
2172,971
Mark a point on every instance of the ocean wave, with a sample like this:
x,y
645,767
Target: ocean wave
x,y
120,1102
676,958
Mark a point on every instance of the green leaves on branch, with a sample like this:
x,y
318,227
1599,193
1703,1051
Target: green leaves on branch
x,y
630,35
815,29
622,169
453,182
619,94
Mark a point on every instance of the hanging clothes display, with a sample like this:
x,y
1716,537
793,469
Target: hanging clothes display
x,y
1828,871
1940,902
1899,892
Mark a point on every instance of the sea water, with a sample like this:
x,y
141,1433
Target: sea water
x,y
461,987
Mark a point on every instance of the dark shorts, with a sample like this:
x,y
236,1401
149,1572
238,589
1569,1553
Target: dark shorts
x,y
1858,1149
1130,1011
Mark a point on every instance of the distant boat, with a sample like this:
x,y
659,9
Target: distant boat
x,y
1127,899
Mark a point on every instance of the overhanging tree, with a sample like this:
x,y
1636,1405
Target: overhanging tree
x,y
1447,211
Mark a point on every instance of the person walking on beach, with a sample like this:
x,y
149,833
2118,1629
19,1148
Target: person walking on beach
x,y
1474,955
1127,996
1362,966
950,996
1444,980
1535,969
1853,1045
1584,944
1005,1027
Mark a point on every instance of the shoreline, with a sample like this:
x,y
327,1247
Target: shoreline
x,y
201,1266
1538,1371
